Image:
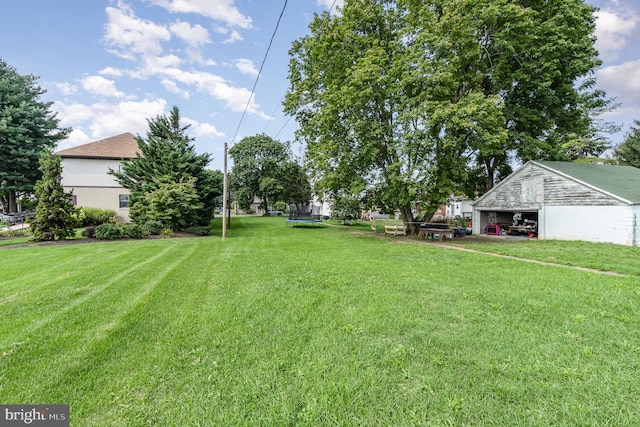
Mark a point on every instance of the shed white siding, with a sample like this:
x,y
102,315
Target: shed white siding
x,y
567,208
612,224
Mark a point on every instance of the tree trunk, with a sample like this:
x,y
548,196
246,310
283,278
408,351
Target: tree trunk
x,y
491,171
13,205
407,217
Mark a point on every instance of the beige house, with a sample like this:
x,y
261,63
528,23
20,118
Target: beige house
x,y
85,173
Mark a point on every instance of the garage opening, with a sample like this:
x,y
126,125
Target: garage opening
x,y
514,223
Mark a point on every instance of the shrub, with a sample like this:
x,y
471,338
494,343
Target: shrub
x,y
280,206
198,230
108,232
95,216
167,232
14,233
89,232
132,231
152,227
175,204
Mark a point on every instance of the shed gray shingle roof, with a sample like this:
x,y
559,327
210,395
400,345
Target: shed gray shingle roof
x,y
622,181
123,146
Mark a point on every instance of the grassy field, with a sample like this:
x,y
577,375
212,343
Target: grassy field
x,y
321,326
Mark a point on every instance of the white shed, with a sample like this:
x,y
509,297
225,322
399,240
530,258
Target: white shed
x,y
566,201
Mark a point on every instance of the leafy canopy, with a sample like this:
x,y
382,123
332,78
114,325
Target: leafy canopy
x,y
410,101
263,168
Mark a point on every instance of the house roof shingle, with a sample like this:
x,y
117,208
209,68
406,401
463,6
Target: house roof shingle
x,y
123,146
621,181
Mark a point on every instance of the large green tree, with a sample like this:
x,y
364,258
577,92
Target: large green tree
x,y
167,156
628,153
411,100
56,216
28,127
263,168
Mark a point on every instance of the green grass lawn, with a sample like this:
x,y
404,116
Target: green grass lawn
x,y
327,325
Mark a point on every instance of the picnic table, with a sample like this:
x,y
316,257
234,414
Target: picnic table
x,y
426,232
431,230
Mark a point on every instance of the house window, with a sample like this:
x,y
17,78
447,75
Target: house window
x,y
124,200
120,168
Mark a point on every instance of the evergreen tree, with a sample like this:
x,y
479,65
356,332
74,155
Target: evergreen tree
x,y
27,128
175,205
169,157
55,216
628,153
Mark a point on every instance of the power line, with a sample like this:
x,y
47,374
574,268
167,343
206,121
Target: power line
x,y
285,92
260,70
364,16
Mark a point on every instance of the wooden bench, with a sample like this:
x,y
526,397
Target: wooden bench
x,y
395,230
424,233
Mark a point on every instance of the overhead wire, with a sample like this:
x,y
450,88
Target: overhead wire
x,y
266,54
285,92
265,58
364,16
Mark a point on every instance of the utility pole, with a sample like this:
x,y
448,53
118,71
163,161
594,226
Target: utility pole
x,y
225,195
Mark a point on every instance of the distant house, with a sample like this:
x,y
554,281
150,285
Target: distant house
x,y
85,172
458,207
566,201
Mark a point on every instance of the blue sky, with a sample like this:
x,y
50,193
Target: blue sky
x,y
109,65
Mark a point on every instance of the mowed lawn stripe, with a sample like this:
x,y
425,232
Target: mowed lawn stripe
x,y
59,263
295,326
74,288
76,324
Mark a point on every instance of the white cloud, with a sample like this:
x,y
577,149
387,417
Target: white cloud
x,y
235,98
75,138
193,36
219,10
154,65
245,66
202,130
195,56
111,71
234,36
130,36
66,88
329,3
98,85
613,30
172,87
622,81
103,120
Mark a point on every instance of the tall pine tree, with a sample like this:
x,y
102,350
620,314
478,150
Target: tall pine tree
x,y
168,156
27,129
